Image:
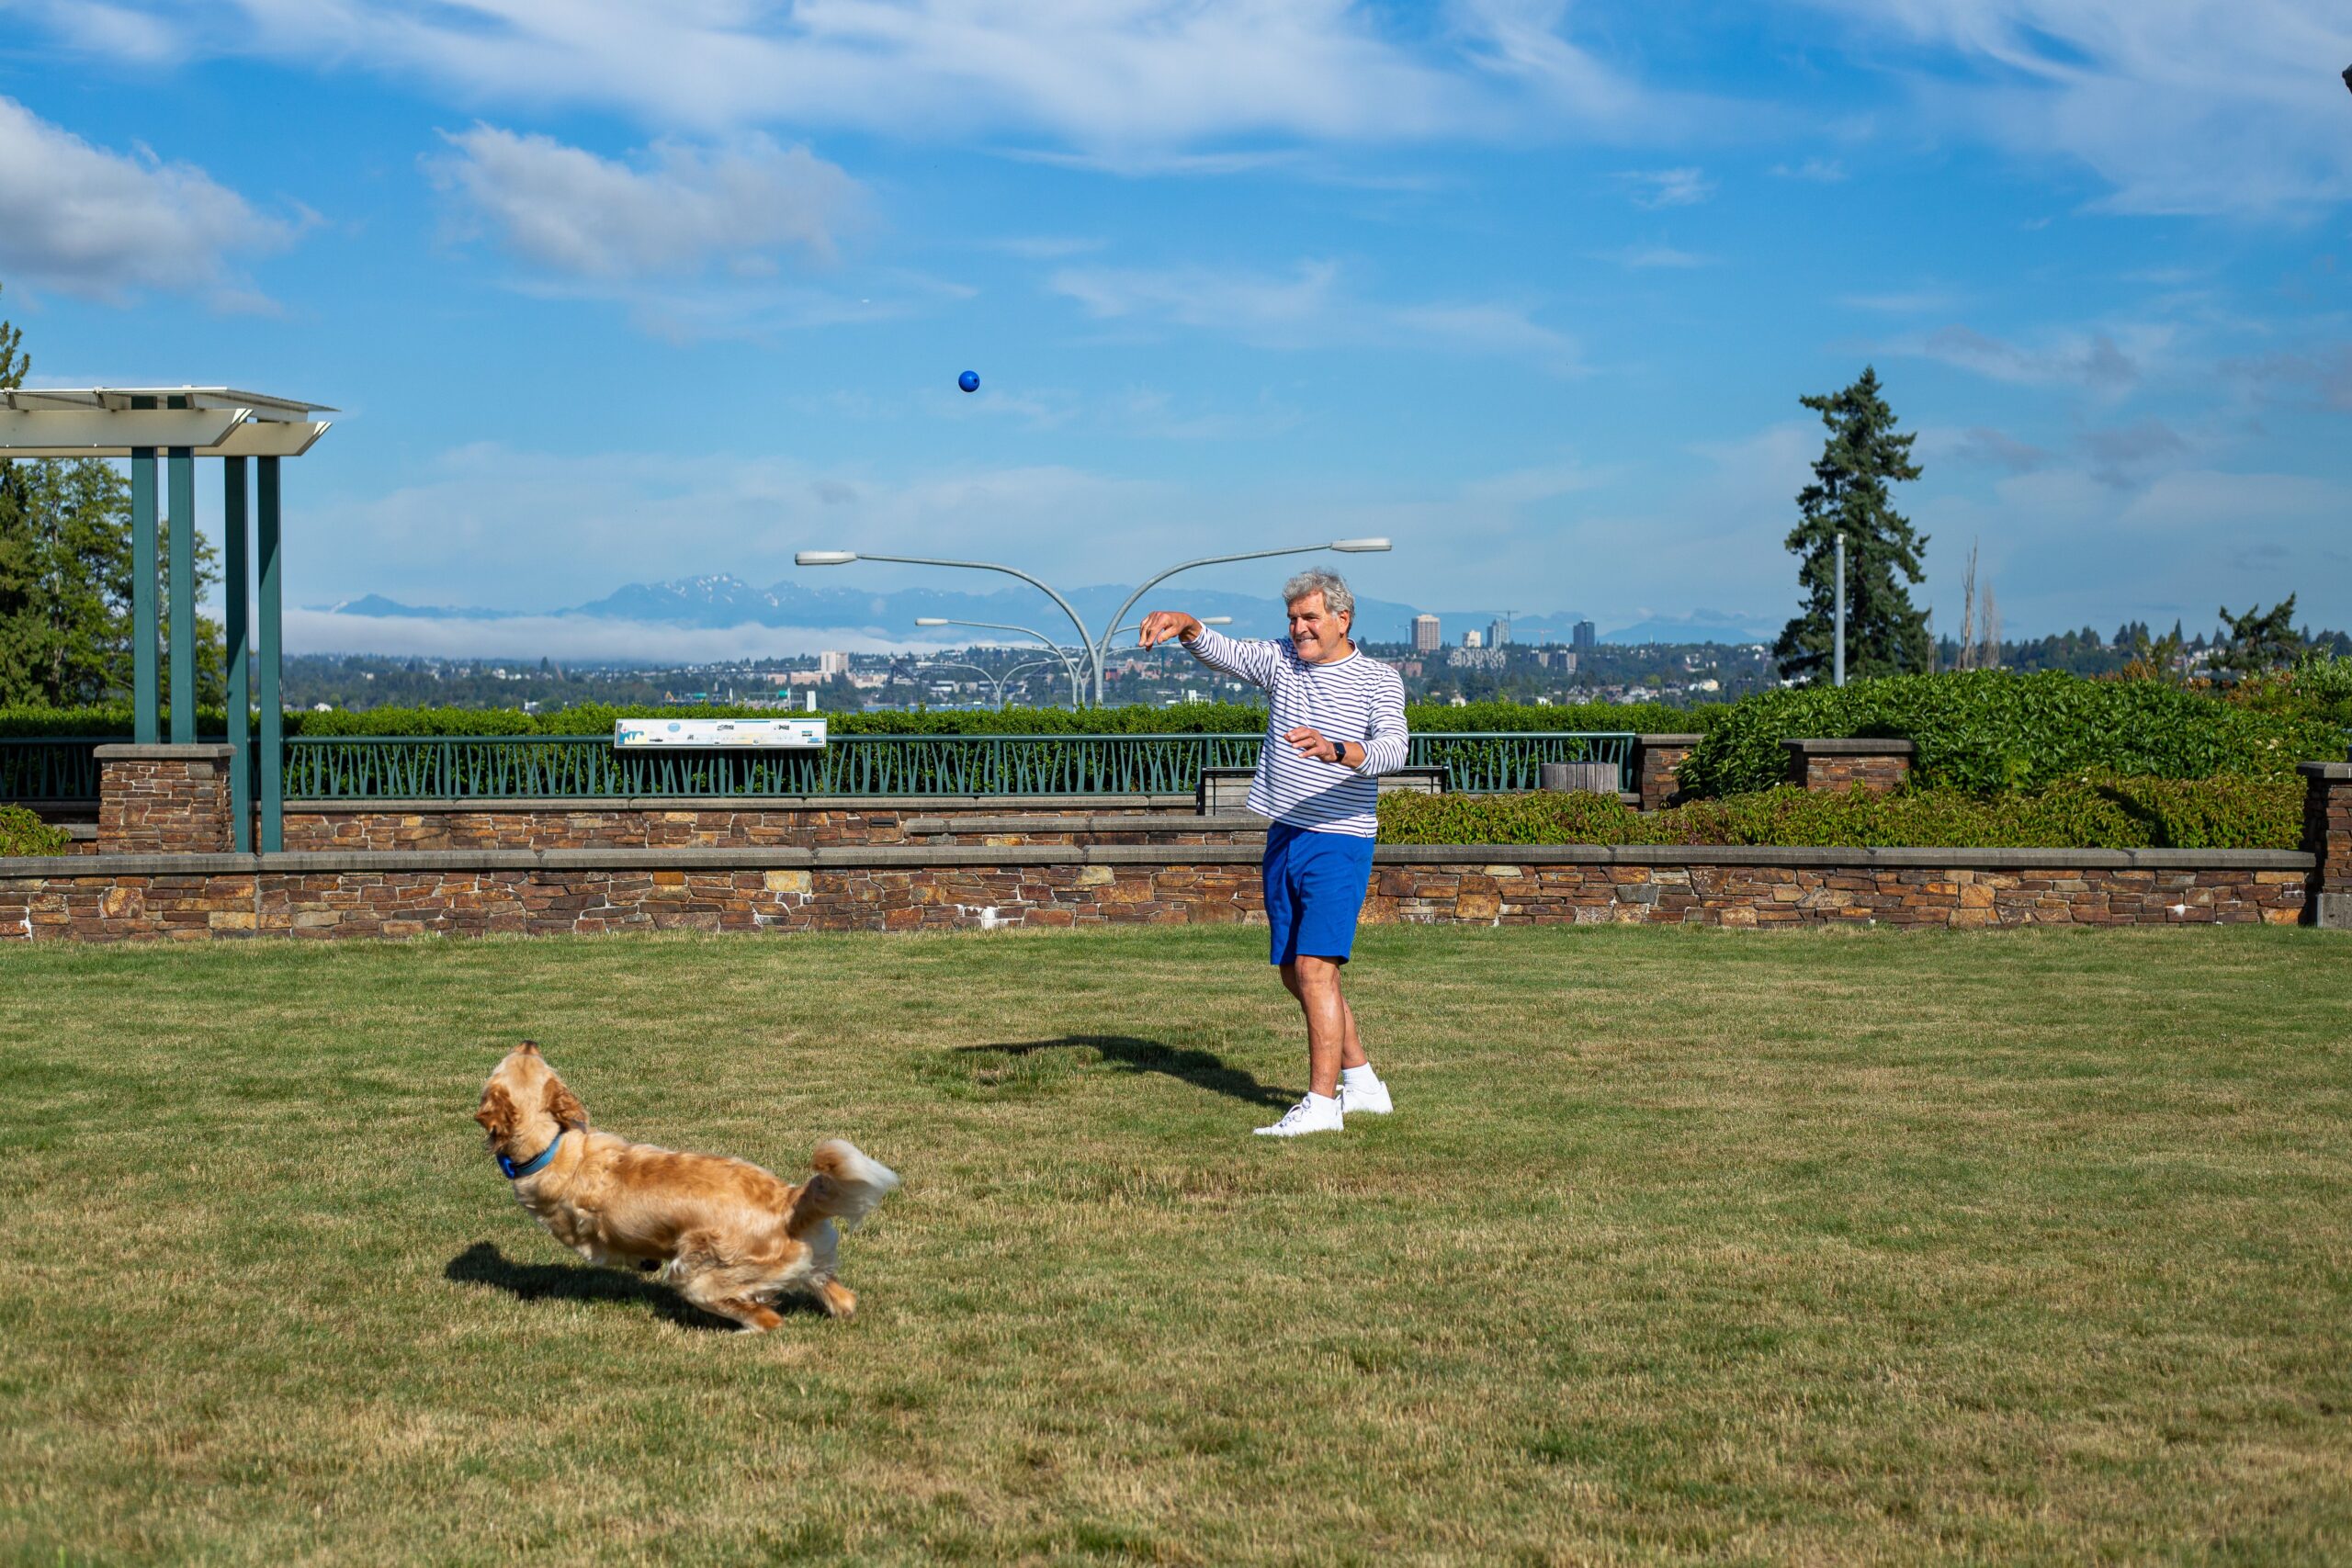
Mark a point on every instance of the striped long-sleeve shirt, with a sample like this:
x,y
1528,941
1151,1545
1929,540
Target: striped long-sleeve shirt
x,y
1356,698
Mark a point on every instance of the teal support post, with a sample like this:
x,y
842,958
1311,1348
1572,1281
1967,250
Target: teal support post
x,y
235,536
180,608
146,728
273,709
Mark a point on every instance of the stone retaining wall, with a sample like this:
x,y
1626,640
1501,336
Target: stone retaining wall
x,y
116,898
164,799
656,823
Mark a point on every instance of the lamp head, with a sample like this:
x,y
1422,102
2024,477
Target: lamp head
x,y
823,558
1358,546
929,621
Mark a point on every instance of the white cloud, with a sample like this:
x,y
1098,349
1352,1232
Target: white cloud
x,y
2093,359
1668,188
1643,258
1309,308
2180,106
675,209
104,225
1820,170
1103,75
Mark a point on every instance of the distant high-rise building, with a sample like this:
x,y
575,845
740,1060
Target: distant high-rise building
x,y
1497,633
1472,640
1426,638
833,664
1584,638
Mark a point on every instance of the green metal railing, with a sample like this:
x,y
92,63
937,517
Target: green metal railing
x,y
52,767
526,767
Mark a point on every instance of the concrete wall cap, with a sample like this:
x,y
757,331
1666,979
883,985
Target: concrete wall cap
x,y
1856,745
199,752
1670,740
2334,772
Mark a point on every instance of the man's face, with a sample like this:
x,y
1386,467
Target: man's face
x,y
1316,632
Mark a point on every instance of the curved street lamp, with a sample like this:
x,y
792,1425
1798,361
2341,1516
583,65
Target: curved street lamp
x,y
1345,546
1076,699
844,558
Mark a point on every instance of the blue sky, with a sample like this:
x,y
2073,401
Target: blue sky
x,y
611,292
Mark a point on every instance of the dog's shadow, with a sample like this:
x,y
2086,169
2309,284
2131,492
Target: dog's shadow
x,y
483,1263
1203,1069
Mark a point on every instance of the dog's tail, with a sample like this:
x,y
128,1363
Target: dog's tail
x,y
848,1186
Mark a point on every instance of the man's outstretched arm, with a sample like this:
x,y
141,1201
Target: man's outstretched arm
x,y
1255,662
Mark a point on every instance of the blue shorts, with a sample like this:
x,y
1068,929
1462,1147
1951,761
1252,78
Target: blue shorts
x,y
1315,884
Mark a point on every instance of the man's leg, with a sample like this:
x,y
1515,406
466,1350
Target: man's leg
x,y
1329,1026
1350,1044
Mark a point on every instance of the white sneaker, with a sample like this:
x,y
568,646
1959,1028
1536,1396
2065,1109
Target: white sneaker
x,y
1370,1100
1308,1115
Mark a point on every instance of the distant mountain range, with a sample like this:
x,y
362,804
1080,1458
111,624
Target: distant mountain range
x,y
725,600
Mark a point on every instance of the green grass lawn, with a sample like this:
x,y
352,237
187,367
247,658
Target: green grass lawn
x,y
1682,1246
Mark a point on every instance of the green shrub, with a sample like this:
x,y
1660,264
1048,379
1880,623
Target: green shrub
x,y
2318,685
22,833
2224,812
1994,730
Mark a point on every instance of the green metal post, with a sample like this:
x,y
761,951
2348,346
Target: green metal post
x,y
146,727
273,711
180,606
235,538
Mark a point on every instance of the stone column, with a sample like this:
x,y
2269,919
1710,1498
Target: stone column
x,y
1657,760
2328,834
1837,766
164,799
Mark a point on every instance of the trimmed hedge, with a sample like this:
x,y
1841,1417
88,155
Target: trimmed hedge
x,y
2110,813
1196,718
22,833
1994,730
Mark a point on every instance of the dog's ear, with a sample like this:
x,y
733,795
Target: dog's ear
x,y
498,1116
565,1106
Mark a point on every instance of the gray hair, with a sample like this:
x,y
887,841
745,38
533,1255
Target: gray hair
x,y
1331,584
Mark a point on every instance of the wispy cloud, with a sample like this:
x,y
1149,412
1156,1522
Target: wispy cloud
x,y
1643,258
1668,188
675,209
1820,170
1129,77
106,226
1308,308
2093,359
2179,106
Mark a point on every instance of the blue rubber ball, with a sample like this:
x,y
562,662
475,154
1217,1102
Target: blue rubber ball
x,y
969,380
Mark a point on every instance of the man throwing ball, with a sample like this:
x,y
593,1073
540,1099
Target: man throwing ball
x,y
1335,722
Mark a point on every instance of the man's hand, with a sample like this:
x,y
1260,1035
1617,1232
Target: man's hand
x,y
1161,624
1310,742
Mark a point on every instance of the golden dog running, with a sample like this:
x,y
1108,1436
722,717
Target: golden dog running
x,y
728,1236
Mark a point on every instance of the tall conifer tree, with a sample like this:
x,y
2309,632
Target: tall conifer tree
x,y
1850,494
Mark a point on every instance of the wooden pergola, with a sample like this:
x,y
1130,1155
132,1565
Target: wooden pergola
x,y
184,423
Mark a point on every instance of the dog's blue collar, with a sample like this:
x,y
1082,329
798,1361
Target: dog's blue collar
x,y
532,1166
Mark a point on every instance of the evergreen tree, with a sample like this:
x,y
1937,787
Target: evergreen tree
x,y
1849,495
2262,639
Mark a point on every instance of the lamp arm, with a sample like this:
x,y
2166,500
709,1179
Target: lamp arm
x,y
1104,652
1085,638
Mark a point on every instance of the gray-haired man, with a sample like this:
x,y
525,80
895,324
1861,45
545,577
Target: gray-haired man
x,y
1335,722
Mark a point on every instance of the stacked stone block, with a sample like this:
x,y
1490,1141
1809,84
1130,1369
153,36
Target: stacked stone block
x,y
2328,834
1876,767
164,799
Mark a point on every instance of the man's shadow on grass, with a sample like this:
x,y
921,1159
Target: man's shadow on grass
x,y
1202,1069
483,1263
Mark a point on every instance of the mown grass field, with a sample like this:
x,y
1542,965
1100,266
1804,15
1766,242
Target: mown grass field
x,y
1681,1247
